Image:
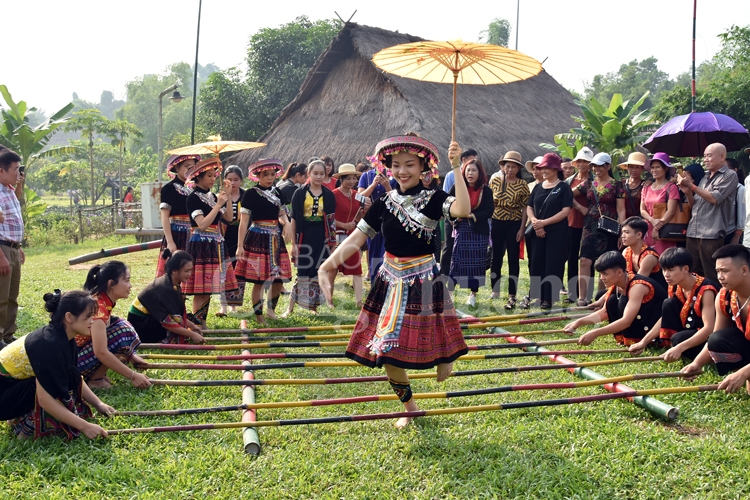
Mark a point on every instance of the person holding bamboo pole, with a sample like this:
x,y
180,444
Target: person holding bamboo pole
x,y
408,319
729,344
688,315
41,391
632,303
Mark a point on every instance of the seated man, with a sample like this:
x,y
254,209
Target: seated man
x,y
632,304
729,345
640,258
687,316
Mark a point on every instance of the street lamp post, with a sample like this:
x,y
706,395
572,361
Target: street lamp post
x,y
176,97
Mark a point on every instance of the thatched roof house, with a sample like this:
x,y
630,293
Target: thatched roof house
x,y
346,105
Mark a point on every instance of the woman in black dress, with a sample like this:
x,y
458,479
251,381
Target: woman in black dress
x,y
548,208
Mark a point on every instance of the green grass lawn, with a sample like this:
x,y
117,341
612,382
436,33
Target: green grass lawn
x,y
610,449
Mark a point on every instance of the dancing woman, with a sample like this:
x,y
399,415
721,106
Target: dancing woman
x,y
408,320
262,258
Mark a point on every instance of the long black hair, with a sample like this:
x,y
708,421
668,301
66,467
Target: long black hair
x,y
99,276
75,302
175,261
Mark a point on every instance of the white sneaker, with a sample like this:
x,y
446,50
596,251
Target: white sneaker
x,y
471,301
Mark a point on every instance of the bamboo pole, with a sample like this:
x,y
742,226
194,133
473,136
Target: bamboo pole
x,y
653,405
286,345
348,335
422,413
394,397
250,437
316,364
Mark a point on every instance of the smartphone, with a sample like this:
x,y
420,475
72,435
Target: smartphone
x,y
21,169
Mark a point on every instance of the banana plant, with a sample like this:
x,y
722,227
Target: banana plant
x,y
30,142
617,129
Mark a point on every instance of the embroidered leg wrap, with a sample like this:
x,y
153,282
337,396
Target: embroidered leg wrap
x,y
199,316
272,303
258,308
403,391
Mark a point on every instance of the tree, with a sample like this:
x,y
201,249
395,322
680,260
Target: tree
x,y
723,84
497,33
278,61
17,133
632,80
616,129
89,122
119,130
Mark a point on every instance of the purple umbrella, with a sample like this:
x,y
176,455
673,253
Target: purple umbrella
x,y
688,135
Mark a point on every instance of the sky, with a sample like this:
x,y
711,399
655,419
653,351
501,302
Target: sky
x,y
55,48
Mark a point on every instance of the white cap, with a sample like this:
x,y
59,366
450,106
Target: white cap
x,y
601,159
584,154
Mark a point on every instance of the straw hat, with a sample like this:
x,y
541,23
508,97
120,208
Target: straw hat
x,y
512,156
533,163
204,165
635,158
346,169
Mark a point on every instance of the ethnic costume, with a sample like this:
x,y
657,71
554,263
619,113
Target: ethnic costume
x,y
648,314
230,231
45,355
316,235
471,238
212,272
634,263
682,315
159,305
730,347
174,197
122,339
408,319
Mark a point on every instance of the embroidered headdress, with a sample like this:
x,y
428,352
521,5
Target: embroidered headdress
x,y
405,144
204,165
264,164
174,161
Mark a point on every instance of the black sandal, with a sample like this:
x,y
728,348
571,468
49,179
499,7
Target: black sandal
x,y
511,304
545,306
525,303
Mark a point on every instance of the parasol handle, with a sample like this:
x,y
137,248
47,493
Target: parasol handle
x,y
453,119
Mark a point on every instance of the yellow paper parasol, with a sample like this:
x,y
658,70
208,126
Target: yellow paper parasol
x,y
215,146
457,62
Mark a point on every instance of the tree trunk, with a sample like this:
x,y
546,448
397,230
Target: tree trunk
x,y
91,162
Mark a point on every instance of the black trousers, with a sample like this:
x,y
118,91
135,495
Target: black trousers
x,y
504,238
680,337
17,397
574,252
548,265
729,349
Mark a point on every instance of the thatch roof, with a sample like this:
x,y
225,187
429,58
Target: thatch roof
x,y
346,105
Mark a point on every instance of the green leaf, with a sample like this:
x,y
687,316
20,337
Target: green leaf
x,y
611,130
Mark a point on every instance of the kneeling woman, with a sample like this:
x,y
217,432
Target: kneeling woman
x,y
158,313
408,320
41,390
113,340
